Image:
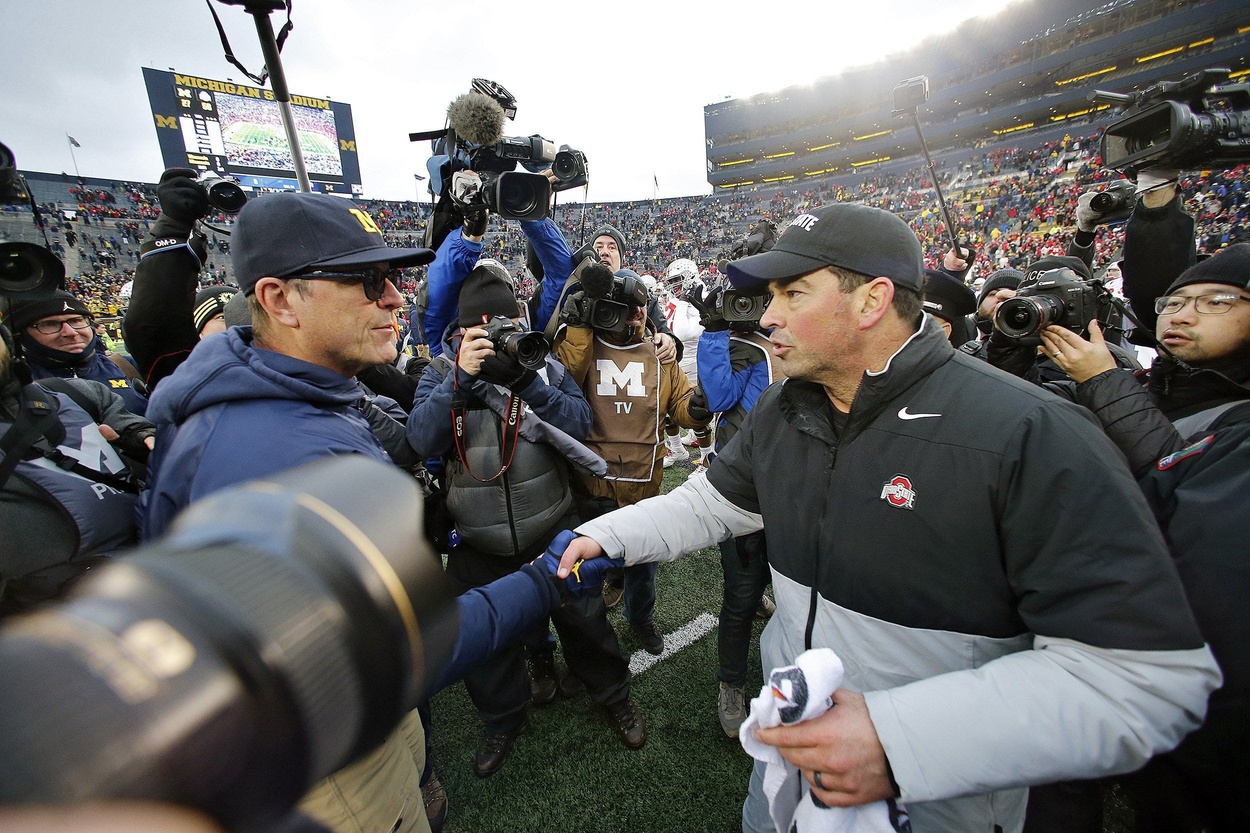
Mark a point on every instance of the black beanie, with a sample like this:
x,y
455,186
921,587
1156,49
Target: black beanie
x,y
1229,266
947,297
606,230
1046,264
487,292
27,311
1002,279
209,303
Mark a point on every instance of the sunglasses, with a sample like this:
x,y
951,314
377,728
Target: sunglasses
x,y
373,278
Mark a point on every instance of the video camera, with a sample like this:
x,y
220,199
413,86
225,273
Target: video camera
x,y
1197,121
281,630
1056,296
736,305
611,314
24,267
508,339
474,141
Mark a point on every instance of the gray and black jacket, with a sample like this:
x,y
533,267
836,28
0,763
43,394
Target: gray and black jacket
x,y
978,554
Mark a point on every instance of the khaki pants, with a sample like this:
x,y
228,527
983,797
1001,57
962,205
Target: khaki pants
x,y
380,793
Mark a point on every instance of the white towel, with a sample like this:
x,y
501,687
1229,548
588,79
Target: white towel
x,y
791,695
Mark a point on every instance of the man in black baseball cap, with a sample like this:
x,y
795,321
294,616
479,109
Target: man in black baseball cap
x,y
909,497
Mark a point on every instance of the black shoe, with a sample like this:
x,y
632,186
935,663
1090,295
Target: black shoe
x,y
628,723
571,686
542,665
651,641
494,748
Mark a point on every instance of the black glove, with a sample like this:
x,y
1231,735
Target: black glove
x,y
182,199
697,407
1010,354
577,309
507,371
475,223
707,305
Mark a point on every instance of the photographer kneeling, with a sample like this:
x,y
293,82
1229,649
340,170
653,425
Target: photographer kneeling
x,y
1184,426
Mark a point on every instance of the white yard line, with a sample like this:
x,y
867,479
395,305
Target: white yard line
x,y
692,632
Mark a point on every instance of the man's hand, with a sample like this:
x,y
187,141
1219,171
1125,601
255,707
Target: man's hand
x,y
953,261
842,745
577,310
1078,358
578,549
665,348
706,303
474,348
584,576
182,199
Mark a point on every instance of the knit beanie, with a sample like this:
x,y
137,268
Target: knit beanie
x,y
1002,279
609,231
486,293
209,303
1229,266
24,312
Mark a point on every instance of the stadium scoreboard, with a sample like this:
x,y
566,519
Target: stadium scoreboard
x,y
237,129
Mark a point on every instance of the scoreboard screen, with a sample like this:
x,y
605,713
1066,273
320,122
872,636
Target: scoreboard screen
x,y
237,129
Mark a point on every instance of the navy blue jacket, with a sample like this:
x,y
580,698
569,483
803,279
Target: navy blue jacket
x,y
91,363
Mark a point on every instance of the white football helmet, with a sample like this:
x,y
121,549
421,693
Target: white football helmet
x,y
680,274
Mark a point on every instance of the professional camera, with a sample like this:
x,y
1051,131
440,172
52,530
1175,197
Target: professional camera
x,y
224,193
24,267
1057,296
735,305
281,630
474,140
1197,121
612,314
527,349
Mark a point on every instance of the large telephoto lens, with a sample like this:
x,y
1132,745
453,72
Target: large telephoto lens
x,y
281,630
1019,317
520,196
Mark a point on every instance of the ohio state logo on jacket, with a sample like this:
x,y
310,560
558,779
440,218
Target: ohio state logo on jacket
x,y
899,493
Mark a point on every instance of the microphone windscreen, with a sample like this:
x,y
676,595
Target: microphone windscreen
x,y
476,118
597,281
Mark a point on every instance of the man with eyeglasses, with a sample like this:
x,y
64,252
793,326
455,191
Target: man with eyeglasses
x,y
58,340
1184,426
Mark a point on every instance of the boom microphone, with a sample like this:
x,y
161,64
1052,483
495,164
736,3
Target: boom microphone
x,y
596,281
476,118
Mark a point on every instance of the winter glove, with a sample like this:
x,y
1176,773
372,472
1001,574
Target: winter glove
x,y
475,222
1011,355
586,576
465,186
1119,195
577,310
507,371
183,200
708,305
697,407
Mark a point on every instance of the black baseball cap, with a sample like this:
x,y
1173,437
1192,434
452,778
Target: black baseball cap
x,y
850,236
279,235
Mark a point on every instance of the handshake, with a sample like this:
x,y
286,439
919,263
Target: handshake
x,y
583,576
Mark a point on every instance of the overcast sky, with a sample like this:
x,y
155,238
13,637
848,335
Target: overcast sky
x,y
625,83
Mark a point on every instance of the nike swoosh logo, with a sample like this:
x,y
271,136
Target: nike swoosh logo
x,y
902,414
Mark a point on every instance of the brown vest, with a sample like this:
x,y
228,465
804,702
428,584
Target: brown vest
x,y
623,389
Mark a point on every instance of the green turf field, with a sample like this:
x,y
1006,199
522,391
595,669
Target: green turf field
x,y
272,137
570,773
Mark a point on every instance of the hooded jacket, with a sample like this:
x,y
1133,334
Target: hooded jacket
x,y
91,363
1023,628
232,412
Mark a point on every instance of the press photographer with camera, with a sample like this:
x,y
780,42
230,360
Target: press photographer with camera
x,y
736,364
606,347
506,417
1184,426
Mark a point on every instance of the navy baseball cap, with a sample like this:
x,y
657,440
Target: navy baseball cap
x,y
279,235
855,237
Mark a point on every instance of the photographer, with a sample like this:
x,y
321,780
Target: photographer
x,y
58,341
736,364
509,495
67,500
630,391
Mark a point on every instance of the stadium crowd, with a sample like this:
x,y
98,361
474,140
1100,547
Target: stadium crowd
x,y
1023,592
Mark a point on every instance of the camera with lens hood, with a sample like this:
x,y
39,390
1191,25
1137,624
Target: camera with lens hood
x,y
1056,296
736,305
1199,121
508,339
224,193
611,314
24,267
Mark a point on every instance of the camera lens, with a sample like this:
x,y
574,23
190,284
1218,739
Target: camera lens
x,y
283,628
565,166
1019,317
227,196
521,196
528,349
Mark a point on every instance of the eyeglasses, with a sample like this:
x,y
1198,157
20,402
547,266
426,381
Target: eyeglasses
x,y
1215,303
373,278
49,328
